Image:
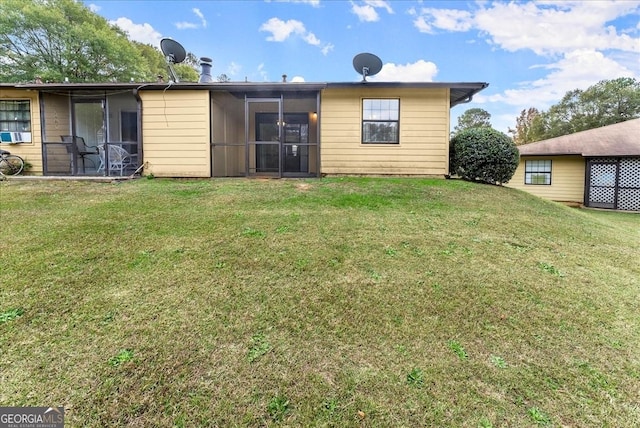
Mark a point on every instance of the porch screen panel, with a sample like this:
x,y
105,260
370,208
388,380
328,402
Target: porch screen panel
x,y
229,160
57,159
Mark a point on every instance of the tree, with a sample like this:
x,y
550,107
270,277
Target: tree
x,y
483,154
223,78
527,126
186,72
58,39
473,118
605,103
154,59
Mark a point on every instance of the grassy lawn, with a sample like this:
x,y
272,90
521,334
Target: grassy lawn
x,y
333,302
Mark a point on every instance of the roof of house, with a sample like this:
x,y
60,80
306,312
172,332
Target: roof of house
x,y
460,92
620,139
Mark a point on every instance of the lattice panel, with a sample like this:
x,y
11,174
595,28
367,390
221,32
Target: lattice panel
x,y
629,173
602,195
629,185
629,199
615,183
603,174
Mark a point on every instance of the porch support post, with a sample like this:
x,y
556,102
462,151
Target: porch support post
x,y
318,119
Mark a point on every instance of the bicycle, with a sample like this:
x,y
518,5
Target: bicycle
x,y
10,164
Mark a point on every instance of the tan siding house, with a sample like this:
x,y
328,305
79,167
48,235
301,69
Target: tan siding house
x,y
567,182
423,146
598,168
30,151
239,129
176,133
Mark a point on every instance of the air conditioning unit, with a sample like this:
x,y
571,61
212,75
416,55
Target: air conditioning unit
x,y
8,137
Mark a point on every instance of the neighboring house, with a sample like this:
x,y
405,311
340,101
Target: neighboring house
x,y
597,168
215,129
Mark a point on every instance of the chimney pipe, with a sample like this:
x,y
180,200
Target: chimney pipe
x,y
284,78
205,65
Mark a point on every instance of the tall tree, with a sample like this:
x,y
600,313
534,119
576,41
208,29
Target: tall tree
x,y
527,126
605,103
473,118
58,39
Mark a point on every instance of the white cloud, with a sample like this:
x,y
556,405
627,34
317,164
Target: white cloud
x,y
184,25
548,30
262,72
311,39
314,3
578,45
94,8
419,71
281,30
366,12
297,79
576,70
201,16
143,33
443,19
233,69
327,48
187,25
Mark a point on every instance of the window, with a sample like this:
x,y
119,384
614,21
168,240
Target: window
x,y
15,115
537,172
380,121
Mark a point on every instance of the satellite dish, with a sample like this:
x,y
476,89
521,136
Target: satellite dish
x,y
174,53
367,64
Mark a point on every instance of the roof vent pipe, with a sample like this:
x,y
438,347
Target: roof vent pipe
x,y
205,66
284,78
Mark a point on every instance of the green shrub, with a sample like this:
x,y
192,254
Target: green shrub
x,y
483,154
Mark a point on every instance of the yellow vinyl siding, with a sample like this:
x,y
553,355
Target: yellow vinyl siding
x,y
176,133
567,179
424,133
30,152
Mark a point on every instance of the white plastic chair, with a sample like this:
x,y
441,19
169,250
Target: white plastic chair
x,y
119,159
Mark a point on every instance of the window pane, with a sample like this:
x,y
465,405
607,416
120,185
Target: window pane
x,y
15,115
380,132
537,172
380,120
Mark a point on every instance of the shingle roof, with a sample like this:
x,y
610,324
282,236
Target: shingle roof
x,y
620,139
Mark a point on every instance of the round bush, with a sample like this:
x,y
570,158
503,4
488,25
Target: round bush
x,y
483,154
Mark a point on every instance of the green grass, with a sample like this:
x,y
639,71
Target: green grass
x,y
333,302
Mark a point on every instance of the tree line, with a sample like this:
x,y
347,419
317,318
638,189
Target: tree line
x,y
60,40
605,103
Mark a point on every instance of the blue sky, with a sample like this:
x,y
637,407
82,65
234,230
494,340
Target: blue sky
x,y
531,53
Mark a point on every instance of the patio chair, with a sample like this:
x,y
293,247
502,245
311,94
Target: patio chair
x,y
119,159
80,148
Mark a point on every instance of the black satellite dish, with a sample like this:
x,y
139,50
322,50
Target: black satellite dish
x,y
174,53
367,64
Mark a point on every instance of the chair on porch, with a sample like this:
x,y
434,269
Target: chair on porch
x,y
118,159
80,148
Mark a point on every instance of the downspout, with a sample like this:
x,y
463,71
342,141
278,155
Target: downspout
x,y
318,136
